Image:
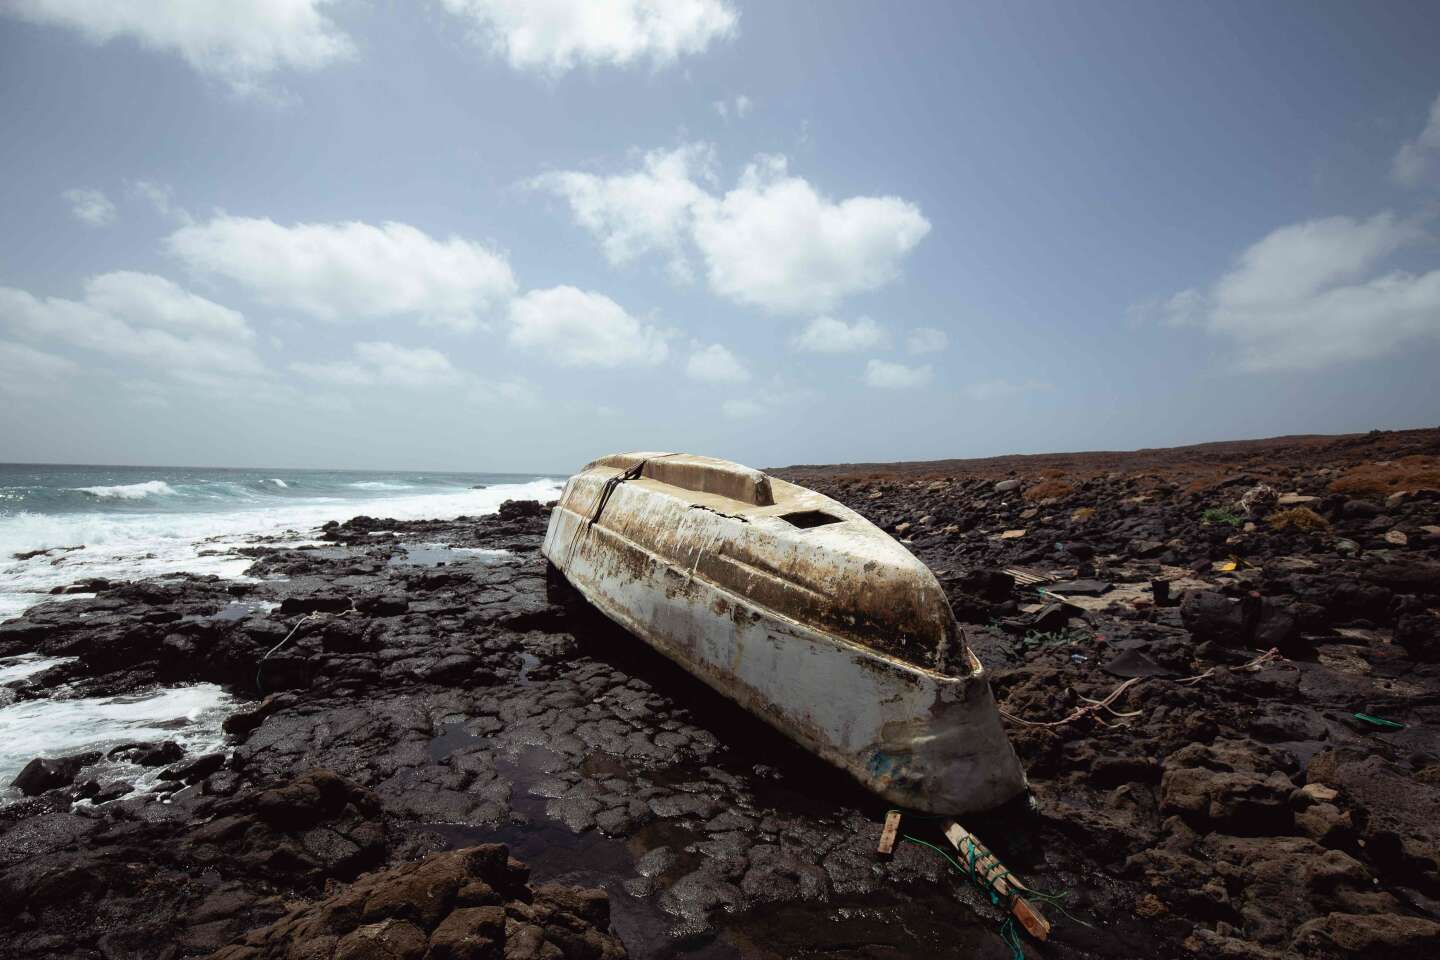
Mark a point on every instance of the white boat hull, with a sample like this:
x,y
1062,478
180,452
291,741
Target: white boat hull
x,y
918,738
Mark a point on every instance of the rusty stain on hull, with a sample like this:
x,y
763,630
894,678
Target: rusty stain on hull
x,y
798,609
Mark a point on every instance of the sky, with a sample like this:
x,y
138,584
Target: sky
x,y
499,235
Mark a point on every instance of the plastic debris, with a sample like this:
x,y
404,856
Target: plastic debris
x,y
1380,722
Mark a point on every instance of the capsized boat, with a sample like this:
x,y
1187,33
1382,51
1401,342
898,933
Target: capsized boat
x,y
798,609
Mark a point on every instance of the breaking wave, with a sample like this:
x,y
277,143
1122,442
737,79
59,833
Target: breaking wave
x,y
51,534
130,491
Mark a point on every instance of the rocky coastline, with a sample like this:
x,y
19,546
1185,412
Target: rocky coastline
x,y
437,752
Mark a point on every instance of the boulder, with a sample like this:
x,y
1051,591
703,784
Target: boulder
x,y
196,770
1209,615
520,509
1360,510
41,774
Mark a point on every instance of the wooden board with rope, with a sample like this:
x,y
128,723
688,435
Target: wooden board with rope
x,y
988,869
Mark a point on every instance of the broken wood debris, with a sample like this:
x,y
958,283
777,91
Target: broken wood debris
x,y
889,834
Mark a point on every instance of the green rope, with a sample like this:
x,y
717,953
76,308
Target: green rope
x,y
1050,899
1010,933
1378,721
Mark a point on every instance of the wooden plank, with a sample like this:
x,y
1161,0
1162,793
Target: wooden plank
x,y
889,833
988,868
1027,578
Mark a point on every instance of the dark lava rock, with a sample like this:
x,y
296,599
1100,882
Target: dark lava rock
x,y
313,797
1419,576
1360,510
383,605
243,721
1419,634
520,509
40,774
1213,616
462,905
991,585
148,754
316,603
196,770
1368,936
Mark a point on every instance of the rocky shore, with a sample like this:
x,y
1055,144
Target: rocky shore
x,y
438,752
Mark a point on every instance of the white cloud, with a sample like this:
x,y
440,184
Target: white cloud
x,y
773,242
155,301
578,328
896,376
90,206
1004,389
636,213
740,106
352,270
926,340
162,198
26,372
770,399
379,363
829,335
715,364
141,317
1419,160
216,39
1312,294
555,36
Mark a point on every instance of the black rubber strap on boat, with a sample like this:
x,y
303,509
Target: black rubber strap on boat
x,y
615,481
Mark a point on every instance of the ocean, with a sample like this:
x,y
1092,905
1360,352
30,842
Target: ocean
x,y
59,524
129,522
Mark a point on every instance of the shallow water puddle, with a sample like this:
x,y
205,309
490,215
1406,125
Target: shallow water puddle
x,y
442,554
240,609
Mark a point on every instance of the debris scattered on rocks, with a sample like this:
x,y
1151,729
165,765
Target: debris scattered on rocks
x,y
1244,813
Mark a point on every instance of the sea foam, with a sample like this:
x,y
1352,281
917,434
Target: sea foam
x,y
127,546
131,491
191,716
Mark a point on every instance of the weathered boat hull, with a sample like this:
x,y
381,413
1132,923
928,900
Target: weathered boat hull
x,y
917,737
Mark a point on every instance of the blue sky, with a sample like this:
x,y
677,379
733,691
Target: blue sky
x,y
477,234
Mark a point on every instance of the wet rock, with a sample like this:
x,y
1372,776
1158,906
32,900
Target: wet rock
x,y
148,754
41,774
521,509
243,721
196,770
316,603
383,605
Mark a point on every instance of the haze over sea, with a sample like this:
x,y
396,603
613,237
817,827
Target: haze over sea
x,y
135,522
